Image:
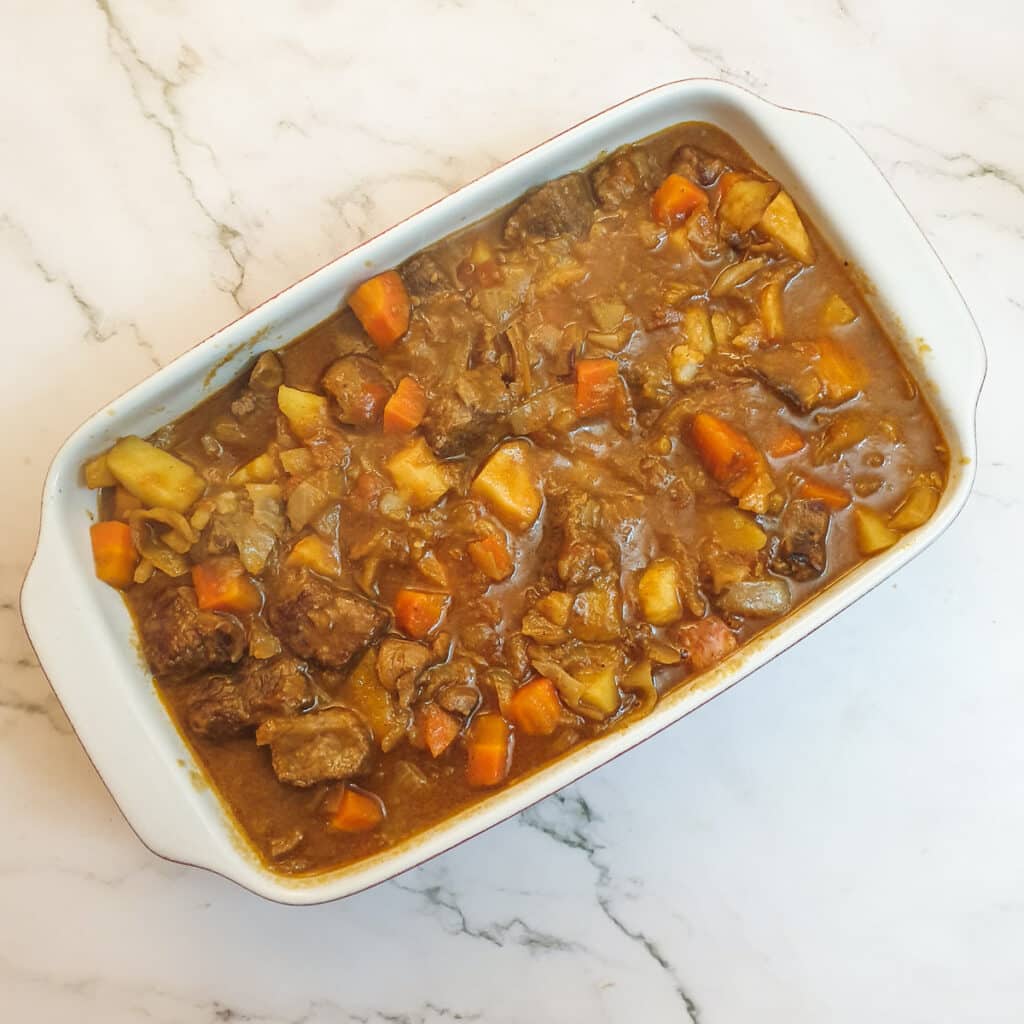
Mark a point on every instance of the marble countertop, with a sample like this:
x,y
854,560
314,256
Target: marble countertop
x,y
840,838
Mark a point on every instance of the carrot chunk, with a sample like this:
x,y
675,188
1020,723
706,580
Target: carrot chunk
x,y
113,552
438,728
597,382
676,198
489,746
786,441
733,461
491,556
535,707
406,408
222,585
356,811
816,490
419,612
382,307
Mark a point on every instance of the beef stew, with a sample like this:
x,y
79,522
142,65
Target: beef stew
x,y
548,469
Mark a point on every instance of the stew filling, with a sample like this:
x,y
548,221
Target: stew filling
x,y
524,484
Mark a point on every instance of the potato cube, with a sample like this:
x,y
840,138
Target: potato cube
x,y
837,312
305,411
736,531
157,478
745,200
917,508
658,590
873,535
507,484
599,689
261,470
421,480
782,223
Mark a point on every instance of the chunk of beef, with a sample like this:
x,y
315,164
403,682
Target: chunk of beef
x,y
618,178
399,664
561,207
697,164
320,621
180,640
789,371
469,415
230,705
332,743
359,388
801,549
424,277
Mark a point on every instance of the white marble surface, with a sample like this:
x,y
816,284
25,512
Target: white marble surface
x,y
839,839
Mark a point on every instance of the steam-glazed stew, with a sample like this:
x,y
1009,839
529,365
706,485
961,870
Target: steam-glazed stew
x,y
516,490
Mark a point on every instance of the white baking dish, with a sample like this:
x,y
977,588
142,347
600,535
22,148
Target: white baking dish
x,y
82,632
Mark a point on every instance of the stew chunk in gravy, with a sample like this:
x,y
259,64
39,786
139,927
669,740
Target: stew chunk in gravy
x,y
524,484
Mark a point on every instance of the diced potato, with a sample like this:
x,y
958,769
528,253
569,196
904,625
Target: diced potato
x,y
736,531
507,484
917,508
873,535
722,327
97,473
261,470
157,478
421,480
684,362
837,312
305,411
658,590
298,461
697,323
316,554
610,341
555,607
770,308
600,691
607,313
745,201
562,276
597,614
782,223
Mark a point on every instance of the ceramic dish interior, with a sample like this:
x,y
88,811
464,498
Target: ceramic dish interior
x,y
81,629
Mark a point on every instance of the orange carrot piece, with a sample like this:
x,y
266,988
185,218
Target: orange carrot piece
x,y
113,552
733,461
676,198
222,585
356,811
597,382
382,306
489,746
816,490
406,408
437,727
787,441
535,708
491,556
419,612
727,454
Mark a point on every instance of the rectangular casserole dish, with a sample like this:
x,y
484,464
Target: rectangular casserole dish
x,y
82,631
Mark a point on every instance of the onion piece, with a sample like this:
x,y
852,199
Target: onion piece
x,y
736,274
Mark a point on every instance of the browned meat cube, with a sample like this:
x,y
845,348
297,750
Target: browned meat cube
x,y
333,743
561,207
801,546
180,640
320,621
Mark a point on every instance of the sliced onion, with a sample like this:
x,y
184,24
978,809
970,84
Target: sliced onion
x,y
150,548
735,275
